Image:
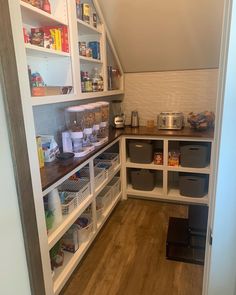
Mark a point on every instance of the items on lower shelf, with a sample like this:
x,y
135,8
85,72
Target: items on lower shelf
x,y
186,238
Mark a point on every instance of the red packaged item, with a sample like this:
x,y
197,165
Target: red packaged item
x,y
37,37
26,35
64,39
46,6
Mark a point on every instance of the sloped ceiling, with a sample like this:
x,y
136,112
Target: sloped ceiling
x,y
156,35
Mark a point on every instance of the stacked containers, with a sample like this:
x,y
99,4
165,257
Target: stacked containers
x,y
75,125
105,119
89,119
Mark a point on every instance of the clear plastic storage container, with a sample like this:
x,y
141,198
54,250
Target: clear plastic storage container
x,y
105,119
89,119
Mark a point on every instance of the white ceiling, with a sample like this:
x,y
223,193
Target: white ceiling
x,y
156,35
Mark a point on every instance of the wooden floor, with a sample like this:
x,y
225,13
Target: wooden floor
x,y
128,256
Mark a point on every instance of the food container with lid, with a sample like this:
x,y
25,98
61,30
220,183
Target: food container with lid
x,y
105,119
89,119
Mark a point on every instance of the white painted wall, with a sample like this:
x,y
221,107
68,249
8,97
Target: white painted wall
x,y
13,269
185,91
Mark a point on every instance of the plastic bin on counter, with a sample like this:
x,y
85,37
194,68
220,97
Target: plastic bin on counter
x,y
99,175
115,186
78,190
112,158
105,197
106,166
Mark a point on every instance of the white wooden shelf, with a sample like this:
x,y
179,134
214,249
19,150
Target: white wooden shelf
x,y
156,193
34,14
189,169
174,194
151,166
108,211
33,50
84,59
71,261
43,100
87,29
68,220
107,180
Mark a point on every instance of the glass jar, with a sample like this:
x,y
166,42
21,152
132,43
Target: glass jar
x,y
75,125
104,119
89,119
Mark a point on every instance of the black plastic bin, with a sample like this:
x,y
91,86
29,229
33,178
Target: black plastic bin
x,y
141,152
143,180
195,156
193,185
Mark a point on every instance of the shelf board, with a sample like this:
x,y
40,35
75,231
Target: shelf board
x,y
173,194
107,180
44,100
33,50
36,15
157,193
189,169
151,166
56,233
108,211
84,59
71,260
87,29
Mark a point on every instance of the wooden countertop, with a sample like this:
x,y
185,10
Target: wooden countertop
x,y
52,172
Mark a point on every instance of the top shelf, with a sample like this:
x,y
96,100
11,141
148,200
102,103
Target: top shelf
x,y
86,29
31,14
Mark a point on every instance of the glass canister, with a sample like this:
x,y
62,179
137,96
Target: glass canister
x,y
104,125
97,121
75,125
89,119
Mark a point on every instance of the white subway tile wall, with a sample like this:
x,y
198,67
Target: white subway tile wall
x,y
186,91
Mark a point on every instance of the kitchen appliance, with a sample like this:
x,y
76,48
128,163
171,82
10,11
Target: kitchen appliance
x,y
119,121
170,120
134,119
118,115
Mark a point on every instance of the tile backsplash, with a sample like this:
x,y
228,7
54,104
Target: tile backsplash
x,y
185,91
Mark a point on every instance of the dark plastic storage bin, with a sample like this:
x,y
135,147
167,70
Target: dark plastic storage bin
x,y
196,156
193,185
143,180
141,152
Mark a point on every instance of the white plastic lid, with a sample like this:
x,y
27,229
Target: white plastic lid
x,y
75,109
103,103
88,107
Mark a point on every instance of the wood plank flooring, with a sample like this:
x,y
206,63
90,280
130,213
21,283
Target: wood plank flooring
x,y
128,256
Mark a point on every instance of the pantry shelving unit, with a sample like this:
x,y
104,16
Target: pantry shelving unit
x,y
165,190
58,69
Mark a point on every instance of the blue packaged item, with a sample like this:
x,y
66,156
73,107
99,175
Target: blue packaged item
x,y
95,46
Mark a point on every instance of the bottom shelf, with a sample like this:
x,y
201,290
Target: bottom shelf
x,y
172,196
71,260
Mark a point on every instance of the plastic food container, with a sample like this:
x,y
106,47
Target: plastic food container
x,y
89,119
105,119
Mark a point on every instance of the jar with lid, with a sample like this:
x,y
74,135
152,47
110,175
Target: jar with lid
x,y
97,121
89,119
75,125
104,119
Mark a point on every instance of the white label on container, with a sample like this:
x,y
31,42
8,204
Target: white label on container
x,y
88,131
103,124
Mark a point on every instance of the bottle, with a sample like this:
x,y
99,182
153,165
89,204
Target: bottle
x,y
95,80
46,6
54,205
88,83
78,12
82,77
